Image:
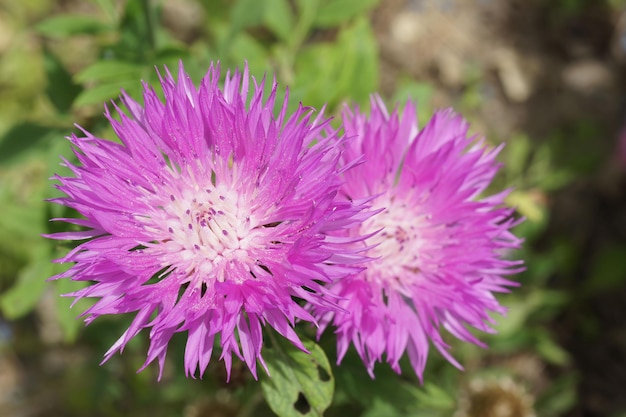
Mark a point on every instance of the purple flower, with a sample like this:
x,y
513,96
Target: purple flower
x,y
439,255
211,216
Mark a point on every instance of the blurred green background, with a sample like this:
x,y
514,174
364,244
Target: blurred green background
x,y
546,76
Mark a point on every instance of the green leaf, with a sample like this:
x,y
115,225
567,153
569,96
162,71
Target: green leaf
x,y
432,396
23,139
559,397
104,92
420,93
61,90
66,314
137,31
549,349
108,7
528,205
299,384
517,315
72,24
103,71
31,282
22,191
22,222
333,12
381,408
316,76
246,48
307,10
344,70
357,54
279,18
353,380
170,55
516,153
246,13
243,14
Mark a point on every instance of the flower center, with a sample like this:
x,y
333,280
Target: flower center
x,y
200,230
396,263
209,224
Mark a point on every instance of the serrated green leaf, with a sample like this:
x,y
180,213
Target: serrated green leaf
x,y
333,13
301,384
103,71
72,24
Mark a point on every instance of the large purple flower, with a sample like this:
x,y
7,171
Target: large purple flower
x,y
212,216
439,255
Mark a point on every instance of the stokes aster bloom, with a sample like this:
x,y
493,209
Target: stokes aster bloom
x,y
208,217
438,257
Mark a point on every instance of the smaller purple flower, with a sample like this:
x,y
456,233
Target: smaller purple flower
x,y
439,254
211,216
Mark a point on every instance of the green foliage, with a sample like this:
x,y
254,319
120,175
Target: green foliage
x,y
333,13
245,14
61,90
278,17
25,294
299,383
71,25
66,310
559,397
108,78
330,73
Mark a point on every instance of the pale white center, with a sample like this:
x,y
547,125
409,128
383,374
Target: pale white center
x,y
201,229
396,255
